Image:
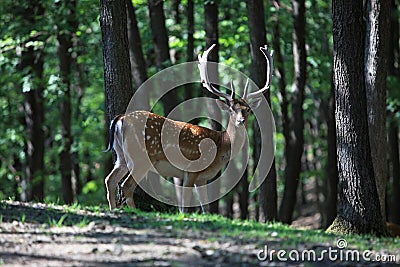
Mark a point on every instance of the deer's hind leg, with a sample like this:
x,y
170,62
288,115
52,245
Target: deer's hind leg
x,y
118,172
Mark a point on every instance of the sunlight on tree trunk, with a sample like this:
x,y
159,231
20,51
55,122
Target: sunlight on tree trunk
x,y
358,207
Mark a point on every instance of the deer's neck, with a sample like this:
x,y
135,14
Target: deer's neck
x,y
233,138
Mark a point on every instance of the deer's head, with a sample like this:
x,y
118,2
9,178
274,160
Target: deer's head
x,y
238,108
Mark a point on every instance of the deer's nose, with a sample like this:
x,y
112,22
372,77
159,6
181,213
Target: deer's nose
x,y
240,121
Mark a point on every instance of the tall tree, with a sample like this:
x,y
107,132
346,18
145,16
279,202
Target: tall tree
x,y
138,63
268,191
295,140
393,132
64,37
211,28
117,72
358,207
376,54
189,91
331,165
161,48
31,64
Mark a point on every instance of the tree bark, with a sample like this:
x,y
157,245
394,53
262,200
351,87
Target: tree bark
x,y
212,34
190,31
295,142
376,54
331,165
64,48
117,73
358,207
32,64
189,88
138,63
161,48
268,190
393,71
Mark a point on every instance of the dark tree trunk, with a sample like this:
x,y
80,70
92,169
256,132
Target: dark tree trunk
x,y
117,73
159,33
189,89
161,48
268,191
279,62
64,48
394,156
358,207
190,31
175,11
393,70
243,195
331,165
376,54
138,63
294,143
211,28
81,84
32,64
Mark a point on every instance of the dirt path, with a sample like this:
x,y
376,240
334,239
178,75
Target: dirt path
x,y
50,235
29,235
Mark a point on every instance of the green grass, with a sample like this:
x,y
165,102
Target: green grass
x,y
209,227
219,227
57,222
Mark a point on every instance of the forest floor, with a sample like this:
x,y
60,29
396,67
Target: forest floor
x,y
53,235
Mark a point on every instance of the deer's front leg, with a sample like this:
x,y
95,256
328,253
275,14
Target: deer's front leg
x,y
178,191
187,190
201,190
111,182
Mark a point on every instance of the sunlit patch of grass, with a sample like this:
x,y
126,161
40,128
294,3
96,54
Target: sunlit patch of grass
x,y
23,218
53,222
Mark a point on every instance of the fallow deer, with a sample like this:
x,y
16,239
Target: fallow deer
x,y
143,134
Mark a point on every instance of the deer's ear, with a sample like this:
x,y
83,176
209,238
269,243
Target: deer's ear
x,y
255,103
222,105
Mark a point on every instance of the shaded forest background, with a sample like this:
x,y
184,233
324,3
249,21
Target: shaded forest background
x,y
55,120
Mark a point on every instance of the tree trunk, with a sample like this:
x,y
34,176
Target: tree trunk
x,y
268,190
394,156
64,48
175,11
279,62
211,28
393,70
331,165
376,54
161,48
294,145
32,63
81,85
359,209
190,31
117,73
189,90
138,63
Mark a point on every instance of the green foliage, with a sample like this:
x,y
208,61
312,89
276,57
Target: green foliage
x,y
18,35
57,222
